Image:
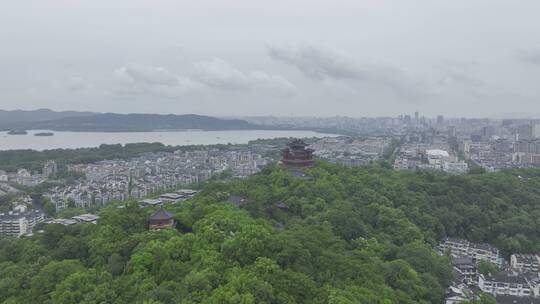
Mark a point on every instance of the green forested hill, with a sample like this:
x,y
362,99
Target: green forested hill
x,y
362,235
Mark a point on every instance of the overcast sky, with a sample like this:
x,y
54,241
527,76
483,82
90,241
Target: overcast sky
x,y
473,58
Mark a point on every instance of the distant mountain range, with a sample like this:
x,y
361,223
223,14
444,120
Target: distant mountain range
x,y
8,119
111,122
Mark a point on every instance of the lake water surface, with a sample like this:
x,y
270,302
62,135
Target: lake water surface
x,y
71,140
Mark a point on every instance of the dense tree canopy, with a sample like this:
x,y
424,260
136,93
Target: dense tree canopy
x,y
362,235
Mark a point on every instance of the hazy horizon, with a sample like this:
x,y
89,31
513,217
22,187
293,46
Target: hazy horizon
x,y
495,116
247,58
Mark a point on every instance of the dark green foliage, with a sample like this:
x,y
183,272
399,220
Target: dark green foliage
x,y
362,235
33,160
486,267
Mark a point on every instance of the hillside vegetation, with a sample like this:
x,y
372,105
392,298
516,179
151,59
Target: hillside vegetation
x,y
362,235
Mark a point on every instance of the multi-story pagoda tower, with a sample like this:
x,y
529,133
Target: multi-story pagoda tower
x,y
297,155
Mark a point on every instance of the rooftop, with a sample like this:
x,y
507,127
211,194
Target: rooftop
x,y
517,300
153,202
174,196
459,261
506,277
18,215
437,152
161,214
87,217
526,258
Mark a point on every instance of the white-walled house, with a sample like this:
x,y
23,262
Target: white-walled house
x,y
505,283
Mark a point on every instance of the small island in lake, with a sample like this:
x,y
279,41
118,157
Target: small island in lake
x,y
17,132
44,134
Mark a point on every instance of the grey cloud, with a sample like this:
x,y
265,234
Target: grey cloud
x,y
216,73
78,83
276,85
74,84
530,56
148,74
459,78
390,61
317,62
131,90
321,63
135,79
220,74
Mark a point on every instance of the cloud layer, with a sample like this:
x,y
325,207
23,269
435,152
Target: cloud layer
x,y
347,57
148,75
219,74
210,74
530,56
320,63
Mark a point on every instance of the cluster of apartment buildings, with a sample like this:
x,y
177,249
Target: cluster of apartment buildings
x,y
500,144
349,151
516,281
491,143
22,177
419,156
496,154
153,172
26,178
20,222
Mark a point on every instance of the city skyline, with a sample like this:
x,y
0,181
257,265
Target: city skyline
x,y
431,116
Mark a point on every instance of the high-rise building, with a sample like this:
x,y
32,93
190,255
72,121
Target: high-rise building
x,y
451,130
525,132
536,130
487,132
407,119
440,119
50,168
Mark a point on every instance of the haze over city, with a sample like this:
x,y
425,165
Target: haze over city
x,y
227,58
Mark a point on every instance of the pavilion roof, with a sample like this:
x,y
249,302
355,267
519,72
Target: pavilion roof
x,y
161,214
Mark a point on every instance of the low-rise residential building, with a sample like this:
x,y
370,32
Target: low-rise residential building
x,y
428,157
465,270
457,294
520,282
82,218
503,299
505,283
533,278
525,262
137,178
4,178
351,152
477,251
